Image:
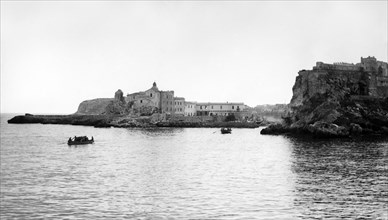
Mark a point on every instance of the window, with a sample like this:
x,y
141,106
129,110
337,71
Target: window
x,y
151,94
141,101
232,107
212,107
200,107
221,107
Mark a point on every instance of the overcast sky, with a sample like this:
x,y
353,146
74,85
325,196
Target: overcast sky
x,y
56,54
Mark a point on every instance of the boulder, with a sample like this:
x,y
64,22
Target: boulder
x,y
275,129
355,129
324,129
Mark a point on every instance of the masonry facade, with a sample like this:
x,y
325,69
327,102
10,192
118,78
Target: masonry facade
x,y
162,101
179,105
166,102
218,108
370,76
190,109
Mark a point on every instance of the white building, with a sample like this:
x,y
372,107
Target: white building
x,y
219,108
190,109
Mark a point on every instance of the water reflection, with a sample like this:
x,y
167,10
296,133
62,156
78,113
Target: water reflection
x,y
340,179
155,132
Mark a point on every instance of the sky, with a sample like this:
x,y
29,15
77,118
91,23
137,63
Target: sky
x,y
54,55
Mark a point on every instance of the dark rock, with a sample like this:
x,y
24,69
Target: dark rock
x,y
335,103
275,129
324,129
355,129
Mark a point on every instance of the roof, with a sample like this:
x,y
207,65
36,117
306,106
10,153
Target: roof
x,y
220,103
136,93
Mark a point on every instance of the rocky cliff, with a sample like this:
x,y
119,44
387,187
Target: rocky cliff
x,y
102,106
94,106
334,103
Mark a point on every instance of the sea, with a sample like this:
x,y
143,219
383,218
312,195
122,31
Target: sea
x,y
188,173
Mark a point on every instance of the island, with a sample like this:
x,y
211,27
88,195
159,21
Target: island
x,y
152,108
330,101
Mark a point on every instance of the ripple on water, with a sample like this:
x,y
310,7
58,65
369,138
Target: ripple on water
x,y
188,174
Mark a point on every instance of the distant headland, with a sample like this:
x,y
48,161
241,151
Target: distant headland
x,y
331,100
154,108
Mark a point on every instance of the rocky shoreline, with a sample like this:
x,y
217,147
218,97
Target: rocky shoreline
x,y
120,121
335,103
329,101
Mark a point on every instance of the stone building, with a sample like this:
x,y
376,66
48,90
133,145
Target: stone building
x,y
119,96
218,108
179,105
368,78
155,100
190,109
167,102
163,101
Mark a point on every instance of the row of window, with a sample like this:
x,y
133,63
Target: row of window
x,y
190,106
205,114
212,107
166,102
165,96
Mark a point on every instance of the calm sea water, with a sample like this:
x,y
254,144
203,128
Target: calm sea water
x,y
190,173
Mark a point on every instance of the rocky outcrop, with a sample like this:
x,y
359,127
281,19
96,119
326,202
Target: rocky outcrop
x,y
105,106
334,103
88,120
122,121
116,107
94,106
145,110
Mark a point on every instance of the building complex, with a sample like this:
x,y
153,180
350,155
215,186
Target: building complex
x,y
166,102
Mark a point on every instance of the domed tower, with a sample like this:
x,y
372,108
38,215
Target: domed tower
x,y
155,87
119,95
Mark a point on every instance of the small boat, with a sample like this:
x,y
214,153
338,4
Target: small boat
x,y
226,130
80,140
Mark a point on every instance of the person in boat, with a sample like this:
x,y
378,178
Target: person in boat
x,y
92,139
